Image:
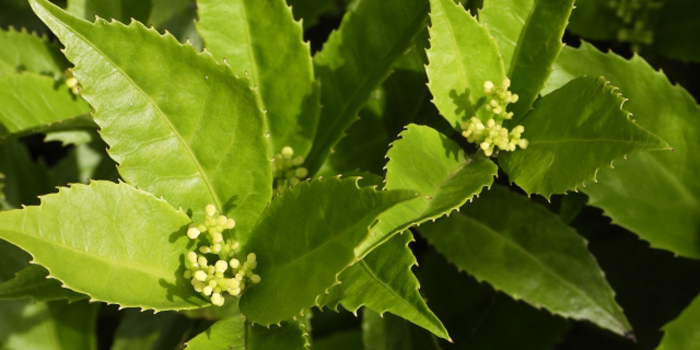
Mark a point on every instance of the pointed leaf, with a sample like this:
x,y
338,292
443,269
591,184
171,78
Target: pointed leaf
x,y
573,132
144,244
120,10
463,55
33,282
526,251
237,333
655,195
388,332
24,51
250,35
147,331
179,125
25,179
683,332
538,40
318,221
383,282
31,102
437,167
355,60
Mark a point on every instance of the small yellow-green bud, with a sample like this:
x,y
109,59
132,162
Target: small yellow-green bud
x,y
523,143
221,220
255,279
216,248
287,152
71,82
252,257
200,276
210,209
210,270
230,224
217,237
204,250
298,160
234,263
301,173
488,87
221,266
188,274
202,228
202,261
192,257
232,283
294,181
217,299
213,284
207,290
193,233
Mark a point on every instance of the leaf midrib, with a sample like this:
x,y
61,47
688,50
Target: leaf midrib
x,y
200,170
554,273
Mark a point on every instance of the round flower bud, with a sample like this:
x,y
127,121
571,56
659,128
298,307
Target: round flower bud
x,y
233,283
230,224
193,233
188,274
235,245
217,237
216,248
221,266
294,181
211,270
299,160
210,209
192,256
202,261
523,143
221,220
235,291
202,228
252,257
217,299
204,250
301,173
234,263
213,284
207,290
200,276
287,152
71,82
506,83
255,278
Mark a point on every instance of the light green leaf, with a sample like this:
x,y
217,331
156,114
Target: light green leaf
x,y
537,27
143,245
437,167
683,332
383,282
25,179
251,36
355,60
33,282
573,132
388,332
526,251
72,137
24,51
32,102
655,195
147,331
180,125
237,333
318,221
463,55
48,326
120,10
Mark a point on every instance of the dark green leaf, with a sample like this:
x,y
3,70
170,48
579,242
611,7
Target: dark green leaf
x,y
683,332
526,251
33,282
140,330
345,340
237,333
573,132
388,332
25,179
319,221
676,28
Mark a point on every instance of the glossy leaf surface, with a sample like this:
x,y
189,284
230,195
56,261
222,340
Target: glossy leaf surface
x,y
355,60
463,55
437,167
526,251
261,40
31,101
33,282
383,282
573,132
178,124
237,333
683,332
143,244
24,51
319,221
654,195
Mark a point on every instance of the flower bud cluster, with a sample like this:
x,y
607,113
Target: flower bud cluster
x,y
72,83
228,274
493,134
287,169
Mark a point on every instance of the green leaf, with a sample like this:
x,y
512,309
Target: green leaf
x,y
237,333
355,60
120,10
481,318
343,340
177,17
574,132
318,221
32,101
683,332
13,260
25,179
463,55
595,20
537,27
48,326
179,125
84,163
383,282
24,51
147,331
310,10
526,251
437,167
388,332
143,245
33,282
655,195
250,35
